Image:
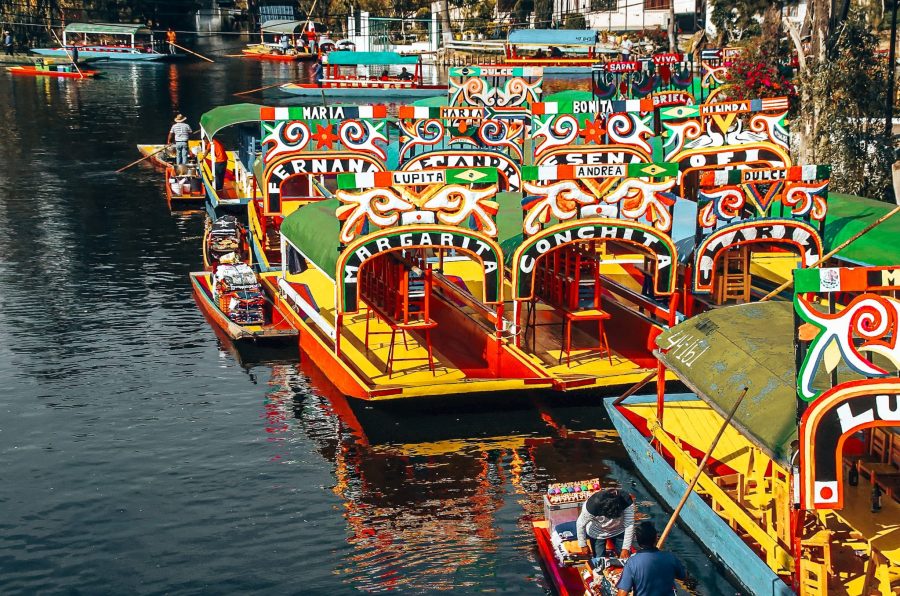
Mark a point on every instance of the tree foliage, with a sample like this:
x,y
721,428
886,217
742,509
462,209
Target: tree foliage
x,y
843,98
737,19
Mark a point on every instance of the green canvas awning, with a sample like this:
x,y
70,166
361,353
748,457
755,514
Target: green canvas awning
x,y
370,58
748,345
107,29
224,116
848,215
315,229
283,26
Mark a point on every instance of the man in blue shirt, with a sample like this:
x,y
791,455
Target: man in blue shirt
x,y
649,572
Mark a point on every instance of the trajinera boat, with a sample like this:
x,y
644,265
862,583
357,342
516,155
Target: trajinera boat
x,y
138,45
298,49
573,572
184,187
48,68
557,50
233,300
801,494
386,74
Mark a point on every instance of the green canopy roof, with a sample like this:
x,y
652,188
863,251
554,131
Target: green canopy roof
x,y
848,215
556,37
315,229
283,26
224,116
370,58
749,345
107,29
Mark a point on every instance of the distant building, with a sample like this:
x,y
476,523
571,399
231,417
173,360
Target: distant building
x,y
632,15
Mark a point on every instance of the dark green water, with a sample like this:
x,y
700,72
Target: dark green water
x,y
138,455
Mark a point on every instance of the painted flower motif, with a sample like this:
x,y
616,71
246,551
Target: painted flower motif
x,y
593,131
324,137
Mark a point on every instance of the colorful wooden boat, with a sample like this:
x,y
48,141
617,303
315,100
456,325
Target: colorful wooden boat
x,y
232,299
64,71
557,50
224,241
342,80
299,48
240,184
138,47
161,157
572,572
300,170
184,188
773,505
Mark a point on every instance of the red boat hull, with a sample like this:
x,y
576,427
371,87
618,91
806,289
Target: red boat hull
x,y
31,71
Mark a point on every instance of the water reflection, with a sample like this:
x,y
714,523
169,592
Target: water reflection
x,y
438,495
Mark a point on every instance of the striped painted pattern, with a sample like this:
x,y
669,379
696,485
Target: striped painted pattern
x,y
807,173
617,106
573,172
846,279
421,177
322,112
445,112
496,71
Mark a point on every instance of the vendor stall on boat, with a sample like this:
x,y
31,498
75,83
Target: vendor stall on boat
x,y
398,288
800,494
238,185
63,69
289,43
134,43
372,75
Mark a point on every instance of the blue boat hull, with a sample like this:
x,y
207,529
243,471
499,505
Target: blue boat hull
x,y
362,92
123,56
710,530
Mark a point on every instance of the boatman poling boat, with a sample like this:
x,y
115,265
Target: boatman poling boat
x,y
137,43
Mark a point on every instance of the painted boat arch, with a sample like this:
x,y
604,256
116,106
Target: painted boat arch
x,y
828,422
648,240
289,165
354,255
798,235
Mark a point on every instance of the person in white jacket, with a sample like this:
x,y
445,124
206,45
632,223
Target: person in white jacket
x,y
606,514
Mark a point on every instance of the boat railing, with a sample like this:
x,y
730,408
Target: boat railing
x,y
642,306
777,554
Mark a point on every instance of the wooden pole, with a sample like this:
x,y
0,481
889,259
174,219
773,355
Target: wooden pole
x,y
134,163
836,250
202,57
260,88
700,468
63,46
635,388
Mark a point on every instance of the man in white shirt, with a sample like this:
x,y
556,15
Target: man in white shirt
x,y
180,133
626,46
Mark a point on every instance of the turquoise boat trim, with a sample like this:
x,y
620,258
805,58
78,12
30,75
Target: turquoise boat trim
x,y
710,530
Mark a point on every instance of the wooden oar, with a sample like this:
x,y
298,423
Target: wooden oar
x,y
72,60
134,163
202,57
137,161
262,88
836,250
700,468
635,388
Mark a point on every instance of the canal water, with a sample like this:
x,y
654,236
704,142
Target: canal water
x,y
141,454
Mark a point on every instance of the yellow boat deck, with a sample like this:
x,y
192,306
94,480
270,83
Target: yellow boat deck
x,y
456,368
857,550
